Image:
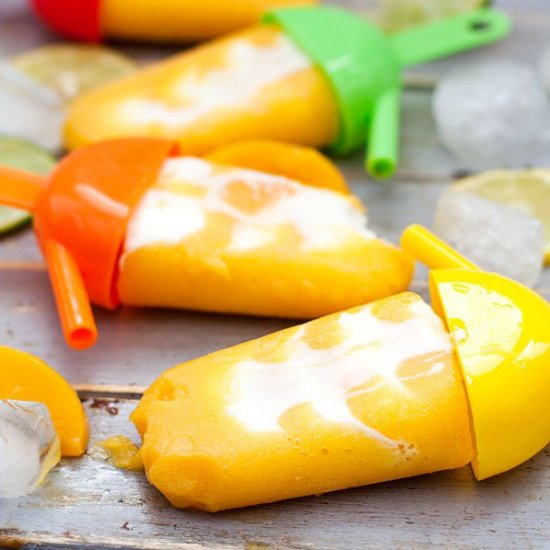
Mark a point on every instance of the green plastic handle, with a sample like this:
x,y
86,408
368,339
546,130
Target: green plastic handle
x,y
383,135
450,36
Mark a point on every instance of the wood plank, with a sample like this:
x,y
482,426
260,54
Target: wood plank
x,y
85,501
421,152
136,345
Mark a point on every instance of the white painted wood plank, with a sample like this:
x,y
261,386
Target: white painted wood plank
x,y
88,501
137,345
85,501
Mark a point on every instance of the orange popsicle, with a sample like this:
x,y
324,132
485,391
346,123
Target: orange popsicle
x,y
378,392
371,394
158,21
203,98
219,238
133,222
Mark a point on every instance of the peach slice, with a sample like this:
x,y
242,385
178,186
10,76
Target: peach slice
x,y
303,164
24,377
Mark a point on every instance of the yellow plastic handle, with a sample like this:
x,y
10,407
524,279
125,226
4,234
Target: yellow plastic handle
x,y
431,250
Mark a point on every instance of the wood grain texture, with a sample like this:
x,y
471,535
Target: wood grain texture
x,y
87,503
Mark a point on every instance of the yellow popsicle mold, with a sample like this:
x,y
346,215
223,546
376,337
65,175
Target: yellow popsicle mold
x,y
501,330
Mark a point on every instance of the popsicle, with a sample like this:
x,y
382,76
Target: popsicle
x,y
316,76
131,222
378,392
157,21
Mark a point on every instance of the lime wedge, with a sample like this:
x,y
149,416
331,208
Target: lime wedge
x,y
18,153
73,69
525,190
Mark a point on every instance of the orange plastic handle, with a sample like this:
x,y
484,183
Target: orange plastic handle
x,y
71,297
89,200
20,189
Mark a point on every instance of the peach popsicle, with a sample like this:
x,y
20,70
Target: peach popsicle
x,y
227,239
378,392
239,87
158,21
132,222
313,75
371,394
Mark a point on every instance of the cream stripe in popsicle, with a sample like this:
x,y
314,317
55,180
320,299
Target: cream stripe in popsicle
x,y
322,217
262,392
248,69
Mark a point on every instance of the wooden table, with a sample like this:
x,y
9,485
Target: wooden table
x,y
87,503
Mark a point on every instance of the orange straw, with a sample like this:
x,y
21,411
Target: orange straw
x,y
71,297
20,189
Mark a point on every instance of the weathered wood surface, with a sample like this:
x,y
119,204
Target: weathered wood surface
x,y
87,502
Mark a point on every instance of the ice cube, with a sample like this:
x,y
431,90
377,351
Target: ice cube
x,y
493,114
28,110
493,236
543,65
29,446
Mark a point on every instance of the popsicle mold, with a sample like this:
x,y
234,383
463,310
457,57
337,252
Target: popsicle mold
x,y
115,216
160,20
382,391
314,75
501,331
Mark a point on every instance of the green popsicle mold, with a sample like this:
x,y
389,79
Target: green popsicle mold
x,y
363,67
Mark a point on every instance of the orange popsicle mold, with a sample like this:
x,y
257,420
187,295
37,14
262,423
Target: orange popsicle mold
x,y
81,213
80,22
88,201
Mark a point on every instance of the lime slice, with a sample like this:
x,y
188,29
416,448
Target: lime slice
x,y
70,70
18,153
396,15
525,190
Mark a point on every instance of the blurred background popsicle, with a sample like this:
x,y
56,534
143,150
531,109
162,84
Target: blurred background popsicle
x,y
169,21
316,76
